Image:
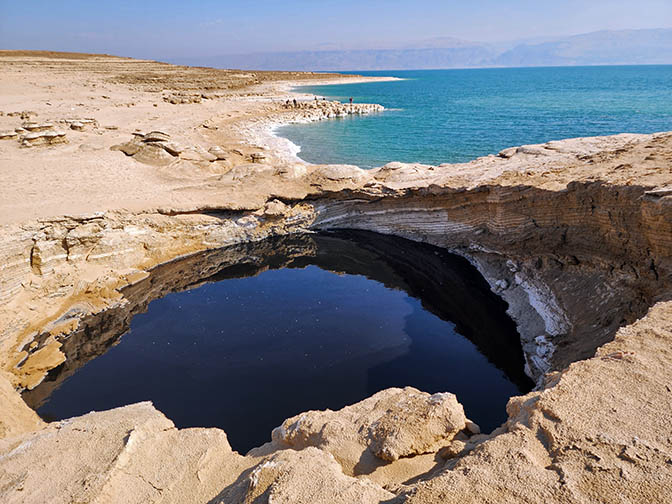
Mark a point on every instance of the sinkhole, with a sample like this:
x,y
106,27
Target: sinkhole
x,y
244,337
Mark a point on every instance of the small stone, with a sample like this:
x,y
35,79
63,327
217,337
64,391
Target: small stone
x,y
502,284
156,136
257,157
472,427
275,208
507,153
172,148
218,152
6,135
452,450
33,126
77,126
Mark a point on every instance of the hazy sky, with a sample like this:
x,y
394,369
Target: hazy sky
x,y
176,28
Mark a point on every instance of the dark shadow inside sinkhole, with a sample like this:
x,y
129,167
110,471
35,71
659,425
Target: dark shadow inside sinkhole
x,y
243,337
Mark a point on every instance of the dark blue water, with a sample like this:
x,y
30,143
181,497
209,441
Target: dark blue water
x,y
245,350
443,116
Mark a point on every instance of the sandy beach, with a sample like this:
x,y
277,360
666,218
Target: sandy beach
x,y
125,96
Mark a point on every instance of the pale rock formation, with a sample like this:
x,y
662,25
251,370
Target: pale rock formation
x,y
153,154
391,424
339,173
415,425
8,135
43,137
35,126
218,152
182,98
15,416
130,454
302,477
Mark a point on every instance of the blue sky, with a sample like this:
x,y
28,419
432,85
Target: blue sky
x,y
173,28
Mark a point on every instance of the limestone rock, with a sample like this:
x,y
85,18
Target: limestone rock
x,y
34,126
390,424
340,173
182,98
453,450
257,157
416,424
8,135
15,416
398,172
128,148
132,454
473,427
218,152
508,153
77,126
249,171
172,148
43,137
293,171
197,154
275,208
153,154
156,136
309,476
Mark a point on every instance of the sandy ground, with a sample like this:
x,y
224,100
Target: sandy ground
x,y
125,96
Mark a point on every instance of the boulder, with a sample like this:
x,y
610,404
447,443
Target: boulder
x,y
153,154
55,136
128,148
508,153
43,138
391,424
416,424
132,454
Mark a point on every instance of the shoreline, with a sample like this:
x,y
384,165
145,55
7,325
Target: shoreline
x,y
265,134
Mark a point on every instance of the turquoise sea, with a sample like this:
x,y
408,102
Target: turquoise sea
x,y
439,116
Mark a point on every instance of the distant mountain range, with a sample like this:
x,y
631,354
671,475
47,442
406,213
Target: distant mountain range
x,y
622,47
